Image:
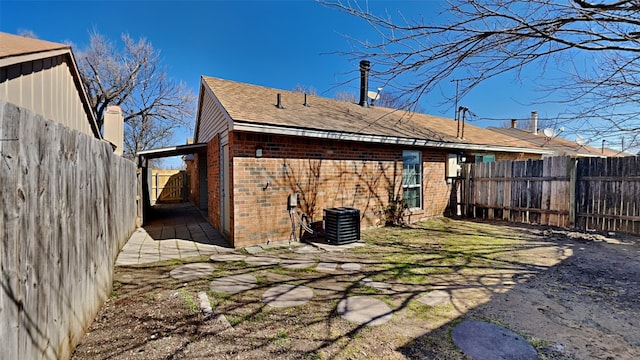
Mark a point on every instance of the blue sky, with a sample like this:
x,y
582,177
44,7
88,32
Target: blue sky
x,y
277,44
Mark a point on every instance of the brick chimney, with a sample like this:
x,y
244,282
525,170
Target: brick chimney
x,y
114,128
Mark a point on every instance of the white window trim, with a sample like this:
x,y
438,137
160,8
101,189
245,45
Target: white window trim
x,y
421,201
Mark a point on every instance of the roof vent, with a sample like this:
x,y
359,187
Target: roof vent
x,y
305,101
279,101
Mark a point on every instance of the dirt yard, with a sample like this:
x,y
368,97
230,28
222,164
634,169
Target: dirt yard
x,y
571,295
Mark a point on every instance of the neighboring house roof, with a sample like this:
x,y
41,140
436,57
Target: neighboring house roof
x,y
253,108
560,146
14,45
16,49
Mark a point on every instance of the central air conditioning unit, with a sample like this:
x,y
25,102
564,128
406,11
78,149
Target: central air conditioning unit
x,y
341,225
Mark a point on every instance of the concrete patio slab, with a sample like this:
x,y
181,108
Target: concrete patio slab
x,y
435,298
233,284
485,341
173,231
287,295
364,310
190,272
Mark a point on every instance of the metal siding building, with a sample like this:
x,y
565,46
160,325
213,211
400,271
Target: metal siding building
x,y
43,77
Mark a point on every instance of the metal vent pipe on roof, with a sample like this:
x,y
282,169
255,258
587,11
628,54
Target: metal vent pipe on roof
x,y
365,66
279,101
534,122
513,123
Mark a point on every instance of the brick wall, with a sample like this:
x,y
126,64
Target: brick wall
x,y
213,181
192,176
325,173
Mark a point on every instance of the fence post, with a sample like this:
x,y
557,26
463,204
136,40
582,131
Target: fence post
x,y
573,183
467,190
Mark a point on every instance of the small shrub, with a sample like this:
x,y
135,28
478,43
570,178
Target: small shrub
x,y
393,213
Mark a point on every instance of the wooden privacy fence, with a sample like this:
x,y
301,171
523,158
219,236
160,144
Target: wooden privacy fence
x,y
67,206
586,193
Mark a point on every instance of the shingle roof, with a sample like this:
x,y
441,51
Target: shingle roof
x,y
13,45
257,105
559,145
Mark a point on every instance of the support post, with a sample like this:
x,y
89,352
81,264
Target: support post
x,y
573,183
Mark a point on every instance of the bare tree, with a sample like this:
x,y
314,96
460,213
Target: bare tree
x,y
153,105
27,33
479,39
305,90
346,96
394,101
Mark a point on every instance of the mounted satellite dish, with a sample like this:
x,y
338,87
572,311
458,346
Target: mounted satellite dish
x,y
580,140
373,95
549,132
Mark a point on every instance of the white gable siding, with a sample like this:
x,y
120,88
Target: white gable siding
x,y
212,120
46,87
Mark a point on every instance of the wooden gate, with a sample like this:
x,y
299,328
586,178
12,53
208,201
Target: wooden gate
x,y
168,186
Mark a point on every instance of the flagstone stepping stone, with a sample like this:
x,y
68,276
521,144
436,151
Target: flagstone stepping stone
x,y
254,249
287,295
261,260
297,263
307,249
364,310
277,278
435,298
482,340
192,272
351,267
227,257
233,284
326,267
375,284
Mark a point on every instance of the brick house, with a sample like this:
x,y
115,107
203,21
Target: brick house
x,y
264,144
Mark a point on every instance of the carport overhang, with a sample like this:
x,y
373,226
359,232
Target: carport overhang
x,y
143,161
170,151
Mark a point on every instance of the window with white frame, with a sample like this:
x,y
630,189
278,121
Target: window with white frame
x,y
412,178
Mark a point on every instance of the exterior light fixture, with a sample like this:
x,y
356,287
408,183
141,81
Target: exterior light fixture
x,y
259,151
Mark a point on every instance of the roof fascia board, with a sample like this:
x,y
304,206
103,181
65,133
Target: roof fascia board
x,y
185,148
11,60
334,135
83,94
199,112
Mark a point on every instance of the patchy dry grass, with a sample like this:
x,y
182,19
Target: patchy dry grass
x,y
476,263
